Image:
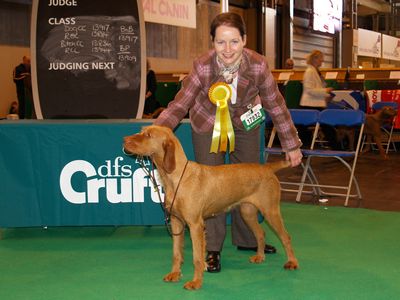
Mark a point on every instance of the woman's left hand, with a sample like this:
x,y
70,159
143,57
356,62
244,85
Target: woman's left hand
x,y
295,157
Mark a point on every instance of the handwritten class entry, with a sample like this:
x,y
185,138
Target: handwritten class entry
x,y
89,58
81,43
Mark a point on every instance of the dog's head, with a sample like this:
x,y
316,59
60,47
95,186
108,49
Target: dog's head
x,y
388,112
156,142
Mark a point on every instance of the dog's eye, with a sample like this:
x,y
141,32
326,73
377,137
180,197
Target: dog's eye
x,y
147,134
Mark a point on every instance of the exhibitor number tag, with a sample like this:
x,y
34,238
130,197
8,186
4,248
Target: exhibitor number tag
x,y
253,117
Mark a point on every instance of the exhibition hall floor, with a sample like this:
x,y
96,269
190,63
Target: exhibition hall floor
x,y
378,180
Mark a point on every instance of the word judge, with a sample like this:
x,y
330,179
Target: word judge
x,y
63,3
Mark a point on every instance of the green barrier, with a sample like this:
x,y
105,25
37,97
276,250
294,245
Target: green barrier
x,y
74,173
370,84
166,92
293,91
332,83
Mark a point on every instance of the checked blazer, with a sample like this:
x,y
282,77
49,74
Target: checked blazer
x,y
255,85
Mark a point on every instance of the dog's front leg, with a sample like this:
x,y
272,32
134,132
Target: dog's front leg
x,y
382,152
198,244
178,235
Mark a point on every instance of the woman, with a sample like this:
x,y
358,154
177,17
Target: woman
x,y
251,82
315,93
315,96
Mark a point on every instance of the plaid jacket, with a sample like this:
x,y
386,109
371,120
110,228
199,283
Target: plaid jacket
x,y
255,85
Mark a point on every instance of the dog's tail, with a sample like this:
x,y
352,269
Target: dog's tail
x,y
278,165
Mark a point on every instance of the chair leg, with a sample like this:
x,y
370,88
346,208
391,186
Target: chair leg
x,y
303,178
363,143
313,179
351,180
389,141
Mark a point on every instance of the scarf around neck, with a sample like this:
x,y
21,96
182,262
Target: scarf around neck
x,y
228,72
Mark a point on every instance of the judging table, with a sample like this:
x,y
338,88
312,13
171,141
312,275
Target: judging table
x,y
348,98
74,173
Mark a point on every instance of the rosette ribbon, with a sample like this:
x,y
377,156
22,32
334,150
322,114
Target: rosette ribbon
x,y
219,94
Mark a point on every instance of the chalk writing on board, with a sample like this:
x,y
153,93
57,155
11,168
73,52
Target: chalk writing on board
x,y
106,43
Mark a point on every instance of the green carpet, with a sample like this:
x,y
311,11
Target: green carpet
x,y
344,253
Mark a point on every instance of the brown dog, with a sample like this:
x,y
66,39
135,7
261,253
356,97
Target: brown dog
x,y
372,130
195,192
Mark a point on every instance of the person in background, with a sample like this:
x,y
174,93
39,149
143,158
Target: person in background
x,y
252,83
21,72
151,104
316,95
289,64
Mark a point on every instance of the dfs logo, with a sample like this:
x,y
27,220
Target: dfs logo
x,y
120,182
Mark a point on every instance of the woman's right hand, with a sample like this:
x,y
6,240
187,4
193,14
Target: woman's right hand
x,y
330,96
294,157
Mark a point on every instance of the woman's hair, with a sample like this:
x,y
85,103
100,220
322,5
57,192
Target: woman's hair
x,y
313,55
228,19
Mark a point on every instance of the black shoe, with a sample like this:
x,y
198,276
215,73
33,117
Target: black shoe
x,y
268,249
213,261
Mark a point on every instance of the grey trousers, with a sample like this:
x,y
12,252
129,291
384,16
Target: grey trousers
x,y
247,149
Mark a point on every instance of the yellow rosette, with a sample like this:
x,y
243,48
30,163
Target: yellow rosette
x,y
219,94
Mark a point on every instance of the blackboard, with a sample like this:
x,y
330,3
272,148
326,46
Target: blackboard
x,y
88,58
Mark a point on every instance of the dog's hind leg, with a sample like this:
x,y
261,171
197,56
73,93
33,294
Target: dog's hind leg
x,y
274,218
249,214
197,234
178,235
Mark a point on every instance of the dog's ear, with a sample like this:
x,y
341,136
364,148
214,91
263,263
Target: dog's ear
x,y
169,156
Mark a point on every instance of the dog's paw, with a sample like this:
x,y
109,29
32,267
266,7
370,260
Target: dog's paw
x,y
173,277
257,259
291,265
193,285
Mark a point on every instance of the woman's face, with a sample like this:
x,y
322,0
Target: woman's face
x,y
228,44
318,60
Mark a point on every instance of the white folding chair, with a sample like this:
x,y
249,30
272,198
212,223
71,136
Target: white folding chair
x,y
300,117
336,117
387,129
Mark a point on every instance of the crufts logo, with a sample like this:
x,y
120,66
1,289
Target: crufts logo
x,y
120,182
